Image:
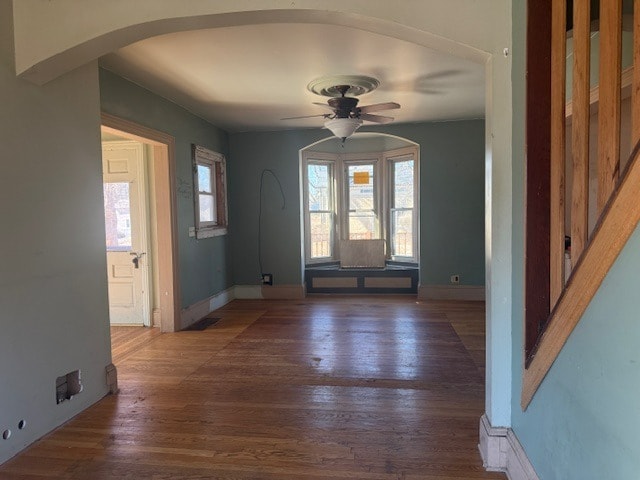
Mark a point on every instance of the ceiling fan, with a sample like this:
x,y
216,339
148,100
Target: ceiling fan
x,y
346,117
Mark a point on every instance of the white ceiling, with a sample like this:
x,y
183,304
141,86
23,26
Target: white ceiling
x,y
247,78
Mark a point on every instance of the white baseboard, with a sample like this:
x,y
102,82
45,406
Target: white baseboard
x,y
204,307
221,299
501,451
451,292
283,292
201,309
247,292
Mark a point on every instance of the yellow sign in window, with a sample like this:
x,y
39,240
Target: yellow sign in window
x,y
361,178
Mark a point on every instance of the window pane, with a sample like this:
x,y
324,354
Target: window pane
x,y
319,187
362,225
320,235
402,233
204,178
361,194
117,215
207,208
403,184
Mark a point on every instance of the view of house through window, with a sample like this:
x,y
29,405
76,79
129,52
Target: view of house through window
x,y
373,197
117,211
363,212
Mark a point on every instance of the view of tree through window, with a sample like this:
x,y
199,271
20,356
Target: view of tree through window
x,y
206,195
402,209
362,211
320,210
117,212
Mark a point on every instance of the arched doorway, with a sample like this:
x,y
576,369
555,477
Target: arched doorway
x,y
360,214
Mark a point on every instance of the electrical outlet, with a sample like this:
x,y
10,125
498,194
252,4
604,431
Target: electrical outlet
x,y
267,279
455,278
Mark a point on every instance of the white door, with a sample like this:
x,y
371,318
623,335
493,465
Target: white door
x,y
125,222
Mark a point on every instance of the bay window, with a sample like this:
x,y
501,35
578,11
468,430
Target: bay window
x,y
375,196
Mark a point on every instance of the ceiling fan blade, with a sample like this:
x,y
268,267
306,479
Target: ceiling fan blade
x,y
375,118
378,107
325,105
325,115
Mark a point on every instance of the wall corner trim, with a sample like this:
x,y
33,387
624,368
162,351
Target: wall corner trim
x,y
451,292
112,378
251,292
204,307
501,451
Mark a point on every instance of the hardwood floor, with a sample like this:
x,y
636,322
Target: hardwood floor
x,y
127,340
321,388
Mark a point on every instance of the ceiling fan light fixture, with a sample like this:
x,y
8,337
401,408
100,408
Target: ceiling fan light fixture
x,y
343,127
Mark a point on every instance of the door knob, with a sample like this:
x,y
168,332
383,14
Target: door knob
x,y
136,258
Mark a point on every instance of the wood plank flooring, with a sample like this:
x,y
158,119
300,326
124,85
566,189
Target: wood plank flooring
x,y
321,388
127,340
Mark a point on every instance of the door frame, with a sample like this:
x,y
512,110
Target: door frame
x,y
166,204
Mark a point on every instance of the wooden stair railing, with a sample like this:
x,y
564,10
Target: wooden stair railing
x,y
618,221
553,309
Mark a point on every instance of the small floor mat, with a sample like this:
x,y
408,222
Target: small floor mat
x,y
202,324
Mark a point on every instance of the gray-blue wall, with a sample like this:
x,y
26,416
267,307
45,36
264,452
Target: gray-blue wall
x,y
205,265
54,315
583,422
452,201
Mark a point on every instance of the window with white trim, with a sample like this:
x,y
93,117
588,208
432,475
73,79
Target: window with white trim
x,y
402,213
361,205
320,203
374,196
210,192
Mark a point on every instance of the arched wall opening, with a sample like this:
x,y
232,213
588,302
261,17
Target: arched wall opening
x,y
483,34
360,214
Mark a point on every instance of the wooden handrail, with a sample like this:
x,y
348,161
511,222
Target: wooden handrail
x,y
618,221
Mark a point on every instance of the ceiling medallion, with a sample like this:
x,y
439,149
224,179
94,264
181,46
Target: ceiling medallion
x,y
329,86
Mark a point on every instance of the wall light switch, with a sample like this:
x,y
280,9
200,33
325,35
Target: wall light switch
x,y
192,231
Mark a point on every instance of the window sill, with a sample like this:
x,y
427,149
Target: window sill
x,y
210,232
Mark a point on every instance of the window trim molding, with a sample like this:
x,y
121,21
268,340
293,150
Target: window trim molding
x,y
205,156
